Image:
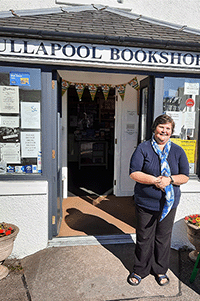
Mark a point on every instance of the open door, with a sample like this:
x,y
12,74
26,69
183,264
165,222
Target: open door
x,y
56,153
126,135
146,108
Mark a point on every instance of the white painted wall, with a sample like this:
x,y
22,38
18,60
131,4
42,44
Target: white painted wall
x,y
182,12
189,204
25,204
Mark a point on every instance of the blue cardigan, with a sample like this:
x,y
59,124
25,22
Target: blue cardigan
x,y
146,160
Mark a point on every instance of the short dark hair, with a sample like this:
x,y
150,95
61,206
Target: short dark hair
x,y
163,119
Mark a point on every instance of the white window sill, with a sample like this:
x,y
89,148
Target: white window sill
x,y
23,187
193,185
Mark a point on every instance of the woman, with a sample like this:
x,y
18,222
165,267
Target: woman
x,y
159,167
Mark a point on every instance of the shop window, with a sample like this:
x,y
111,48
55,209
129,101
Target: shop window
x,y
181,101
20,121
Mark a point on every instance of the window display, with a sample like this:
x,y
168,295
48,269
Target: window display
x,y
181,101
20,121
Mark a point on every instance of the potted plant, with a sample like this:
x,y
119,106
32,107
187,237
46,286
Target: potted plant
x,y
193,233
8,233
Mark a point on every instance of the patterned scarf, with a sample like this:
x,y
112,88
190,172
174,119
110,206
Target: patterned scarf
x,y
165,171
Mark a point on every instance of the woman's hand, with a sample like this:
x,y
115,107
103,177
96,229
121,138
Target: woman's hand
x,y
161,182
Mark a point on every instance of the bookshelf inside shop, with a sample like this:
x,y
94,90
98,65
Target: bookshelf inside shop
x,y
91,128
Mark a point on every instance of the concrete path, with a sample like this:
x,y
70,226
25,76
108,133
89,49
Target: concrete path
x,y
93,273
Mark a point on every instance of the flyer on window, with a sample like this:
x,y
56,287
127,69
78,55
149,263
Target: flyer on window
x,y
30,115
30,144
9,99
9,129
10,153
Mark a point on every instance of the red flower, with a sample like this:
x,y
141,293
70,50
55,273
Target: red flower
x,y
186,218
8,232
194,221
10,228
2,231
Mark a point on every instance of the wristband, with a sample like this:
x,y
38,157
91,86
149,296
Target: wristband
x,y
172,180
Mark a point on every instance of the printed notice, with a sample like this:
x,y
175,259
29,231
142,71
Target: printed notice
x,y
176,141
131,117
30,115
9,121
10,153
9,99
189,120
9,129
191,88
189,147
177,117
30,142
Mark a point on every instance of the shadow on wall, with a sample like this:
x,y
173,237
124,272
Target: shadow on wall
x,y
179,235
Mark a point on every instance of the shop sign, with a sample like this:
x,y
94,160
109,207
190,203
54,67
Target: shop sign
x,y
62,52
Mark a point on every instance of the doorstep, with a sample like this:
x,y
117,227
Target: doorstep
x,y
92,240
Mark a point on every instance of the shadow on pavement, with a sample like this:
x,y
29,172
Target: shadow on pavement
x,y
94,225
184,268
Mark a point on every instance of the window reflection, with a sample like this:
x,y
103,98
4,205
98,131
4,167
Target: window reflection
x,y
181,102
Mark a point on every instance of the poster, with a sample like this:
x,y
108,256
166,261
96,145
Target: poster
x,y
177,117
9,129
30,143
10,153
30,115
189,147
131,118
191,89
176,141
189,120
9,99
20,79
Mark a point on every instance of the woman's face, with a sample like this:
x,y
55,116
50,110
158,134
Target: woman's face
x,y
163,133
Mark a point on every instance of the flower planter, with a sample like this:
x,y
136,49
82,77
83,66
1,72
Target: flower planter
x,y
193,234
6,246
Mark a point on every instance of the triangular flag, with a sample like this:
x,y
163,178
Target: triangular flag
x,y
93,89
79,89
65,86
105,89
121,89
134,83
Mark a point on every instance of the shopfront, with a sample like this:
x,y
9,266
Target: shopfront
x,y
79,106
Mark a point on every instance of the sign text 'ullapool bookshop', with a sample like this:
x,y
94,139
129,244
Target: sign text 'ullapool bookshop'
x,y
102,54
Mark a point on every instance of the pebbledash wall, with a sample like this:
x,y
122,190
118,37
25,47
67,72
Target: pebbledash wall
x,y
25,204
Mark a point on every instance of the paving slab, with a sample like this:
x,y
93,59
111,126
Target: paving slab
x,y
89,273
12,287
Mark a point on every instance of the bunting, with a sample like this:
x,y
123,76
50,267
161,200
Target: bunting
x,y
105,88
79,89
121,90
93,90
134,83
65,86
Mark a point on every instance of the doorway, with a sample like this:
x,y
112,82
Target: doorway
x,y
101,136
90,143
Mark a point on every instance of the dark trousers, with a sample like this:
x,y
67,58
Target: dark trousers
x,y
153,241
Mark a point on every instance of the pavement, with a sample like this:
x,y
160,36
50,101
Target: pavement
x,y
94,273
